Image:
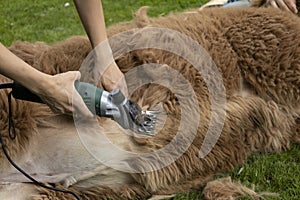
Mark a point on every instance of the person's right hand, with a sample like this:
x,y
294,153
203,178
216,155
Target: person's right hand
x,y
287,5
60,95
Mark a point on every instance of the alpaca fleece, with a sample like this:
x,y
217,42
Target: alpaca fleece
x,y
257,52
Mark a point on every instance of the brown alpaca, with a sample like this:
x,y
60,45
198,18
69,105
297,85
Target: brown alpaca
x,y
260,69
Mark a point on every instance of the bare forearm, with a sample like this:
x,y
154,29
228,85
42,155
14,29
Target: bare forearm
x,y
92,18
13,67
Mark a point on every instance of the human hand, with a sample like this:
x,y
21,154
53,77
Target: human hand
x,y
99,68
60,95
287,5
113,78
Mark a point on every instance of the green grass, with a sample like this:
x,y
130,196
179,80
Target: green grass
x,y
273,172
51,21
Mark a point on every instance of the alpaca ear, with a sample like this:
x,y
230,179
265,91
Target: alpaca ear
x,y
141,18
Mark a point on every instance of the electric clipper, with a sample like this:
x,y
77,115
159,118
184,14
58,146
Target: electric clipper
x,y
113,105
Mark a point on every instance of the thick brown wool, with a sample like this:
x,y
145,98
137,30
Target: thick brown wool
x,y
257,52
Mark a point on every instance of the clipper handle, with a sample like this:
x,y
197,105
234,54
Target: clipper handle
x,y
90,94
22,93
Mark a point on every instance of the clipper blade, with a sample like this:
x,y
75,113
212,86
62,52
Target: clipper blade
x,y
147,125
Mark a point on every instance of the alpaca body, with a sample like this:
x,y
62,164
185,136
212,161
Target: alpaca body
x,y
256,53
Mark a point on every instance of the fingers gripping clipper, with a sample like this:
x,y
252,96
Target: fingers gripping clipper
x,y
113,105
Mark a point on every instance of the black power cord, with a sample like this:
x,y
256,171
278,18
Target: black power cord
x,y
6,85
12,136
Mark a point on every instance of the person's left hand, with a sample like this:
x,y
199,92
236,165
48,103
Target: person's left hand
x,y
113,78
287,5
99,68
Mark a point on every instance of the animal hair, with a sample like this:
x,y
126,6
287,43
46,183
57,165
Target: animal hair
x,y
259,66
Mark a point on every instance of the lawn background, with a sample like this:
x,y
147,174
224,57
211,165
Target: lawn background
x,y
55,20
